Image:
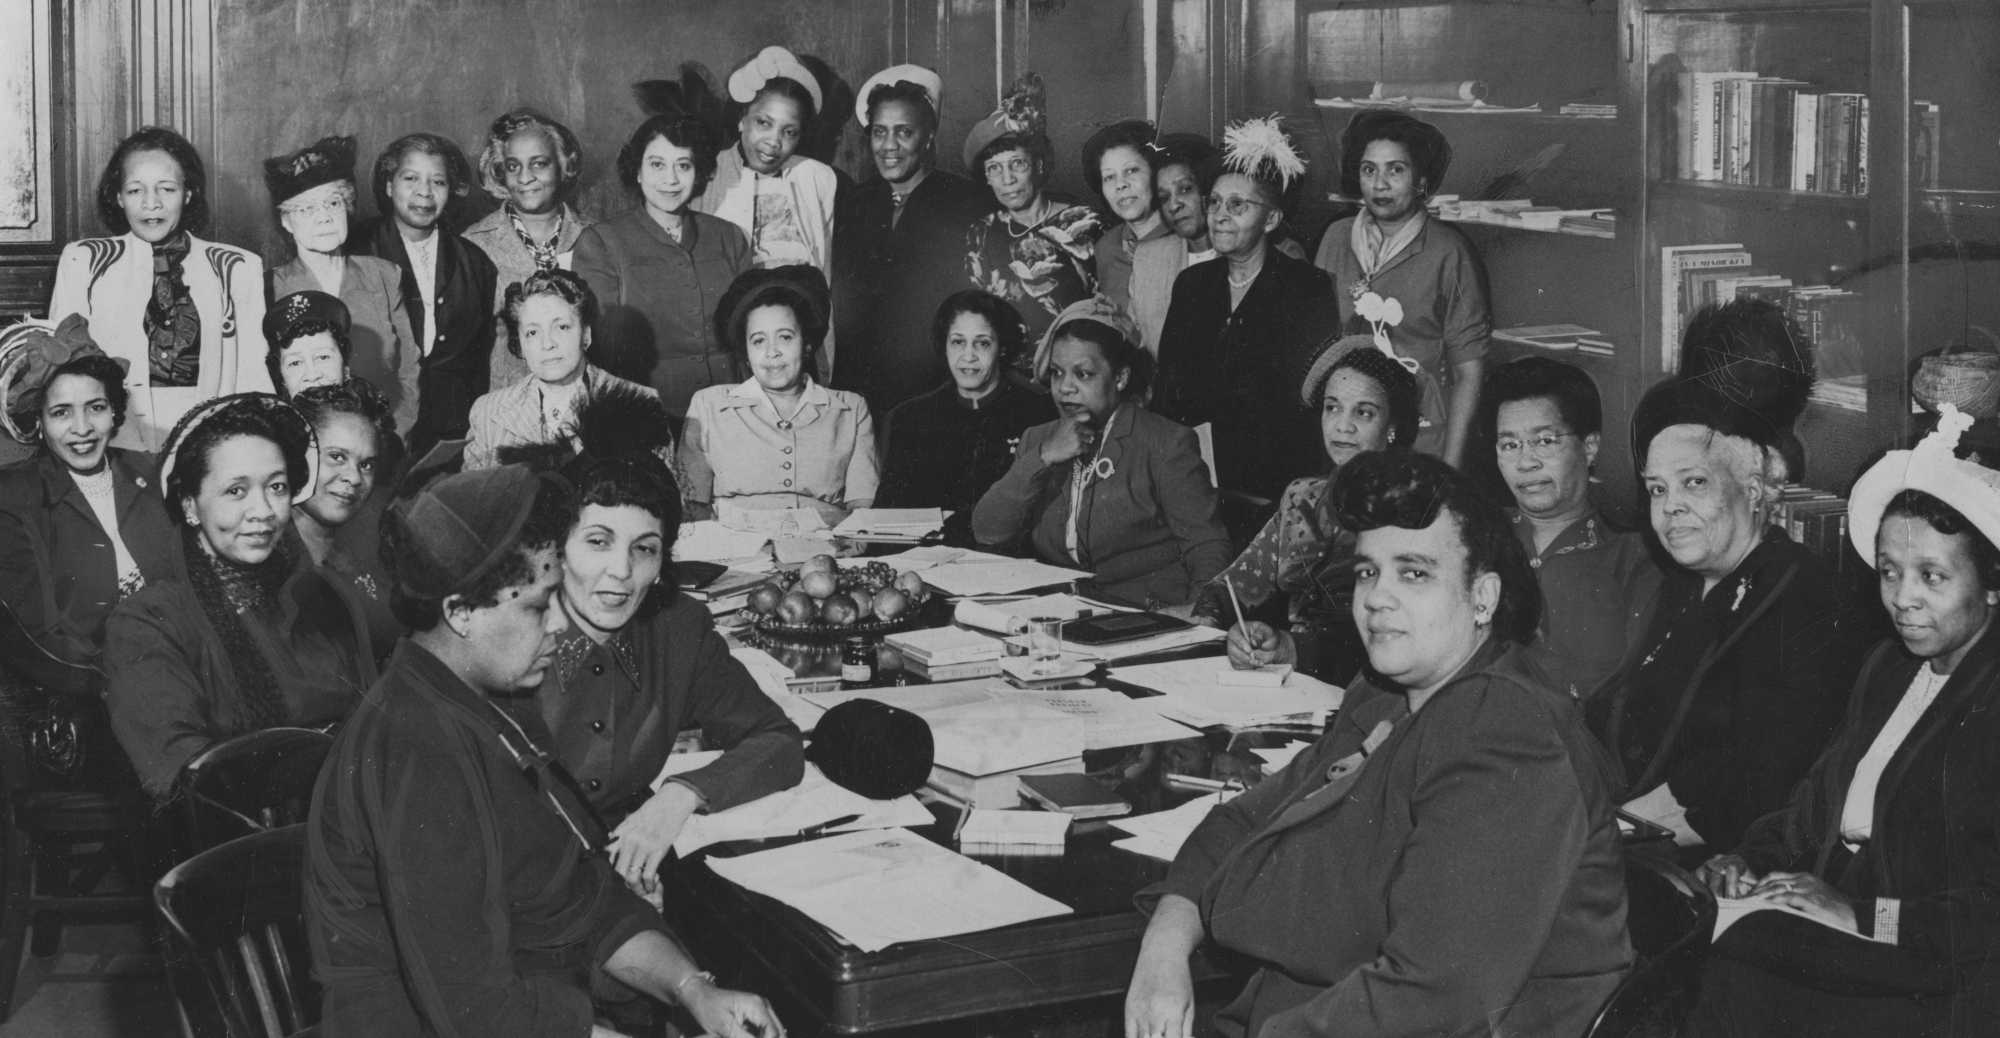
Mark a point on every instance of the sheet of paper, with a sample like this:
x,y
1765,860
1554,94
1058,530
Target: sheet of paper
x,y
880,888
1110,718
921,700
1191,695
980,573
891,522
771,522
791,550
1161,834
923,558
707,540
1001,733
816,799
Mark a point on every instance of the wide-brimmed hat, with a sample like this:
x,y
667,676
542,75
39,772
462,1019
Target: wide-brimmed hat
x,y
30,353
325,161
1023,110
769,64
916,75
298,310
294,435
1934,468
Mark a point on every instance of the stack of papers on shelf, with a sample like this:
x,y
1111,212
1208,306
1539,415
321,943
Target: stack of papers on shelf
x,y
935,647
1547,336
989,831
707,540
1595,223
880,888
1191,695
891,524
814,801
1161,834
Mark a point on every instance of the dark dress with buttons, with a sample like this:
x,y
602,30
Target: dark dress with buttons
x,y
944,451
455,370
615,709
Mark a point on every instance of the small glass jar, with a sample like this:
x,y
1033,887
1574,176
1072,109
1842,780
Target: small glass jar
x,y
857,663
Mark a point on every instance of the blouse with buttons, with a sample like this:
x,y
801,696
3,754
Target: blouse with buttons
x,y
736,447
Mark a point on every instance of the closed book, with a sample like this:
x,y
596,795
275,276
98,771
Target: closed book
x,y
1000,790
952,671
1805,140
1859,158
940,646
1078,796
1675,261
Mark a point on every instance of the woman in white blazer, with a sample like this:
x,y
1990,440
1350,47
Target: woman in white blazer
x,y
187,313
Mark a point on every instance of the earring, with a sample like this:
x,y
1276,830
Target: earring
x,y
1392,436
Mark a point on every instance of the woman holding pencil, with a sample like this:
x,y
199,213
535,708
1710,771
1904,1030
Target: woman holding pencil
x,y
1289,593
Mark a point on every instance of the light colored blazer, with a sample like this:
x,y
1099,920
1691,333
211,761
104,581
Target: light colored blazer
x,y
735,447
109,280
1155,265
385,352
512,416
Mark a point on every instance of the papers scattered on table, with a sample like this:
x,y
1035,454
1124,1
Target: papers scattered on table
x,y
960,572
1191,695
707,540
1003,732
815,800
1276,759
1161,834
891,524
879,888
1110,718
792,550
1029,672
987,831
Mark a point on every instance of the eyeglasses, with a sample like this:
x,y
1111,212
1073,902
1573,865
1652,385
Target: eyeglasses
x,y
1017,166
1540,445
1235,205
331,206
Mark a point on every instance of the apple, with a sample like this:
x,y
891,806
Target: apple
x,y
912,585
819,564
839,611
796,608
864,601
765,599
819,584
891,603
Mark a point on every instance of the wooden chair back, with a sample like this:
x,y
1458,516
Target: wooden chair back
x,y
234,923
251,783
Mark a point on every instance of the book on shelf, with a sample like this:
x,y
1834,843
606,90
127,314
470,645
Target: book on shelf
x,y
1677,264
1924,152
1753,130
1694,276
1546,336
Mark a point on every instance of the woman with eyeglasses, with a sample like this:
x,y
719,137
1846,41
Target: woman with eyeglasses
x,y
1300,566
1394,163
1240,327
313,189
1037,251
186,314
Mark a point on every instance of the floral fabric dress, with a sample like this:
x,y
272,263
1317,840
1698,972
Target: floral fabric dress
x,y
1040,269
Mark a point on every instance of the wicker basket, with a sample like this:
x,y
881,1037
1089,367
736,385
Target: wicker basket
x,y
1966,379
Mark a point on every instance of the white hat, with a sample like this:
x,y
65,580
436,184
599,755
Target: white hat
x,y
1971,488
917,74
769,64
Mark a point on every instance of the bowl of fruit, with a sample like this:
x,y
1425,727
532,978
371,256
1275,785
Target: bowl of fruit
x,y
824,601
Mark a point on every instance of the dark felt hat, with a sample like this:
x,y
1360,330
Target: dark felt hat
x,y
457,526
876,750
324,161
794,283
285,318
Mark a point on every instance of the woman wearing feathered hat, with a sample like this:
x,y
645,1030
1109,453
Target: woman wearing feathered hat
x,y
80,529
1037,250
186,314
1392,252
1240,330
313,189
1882,862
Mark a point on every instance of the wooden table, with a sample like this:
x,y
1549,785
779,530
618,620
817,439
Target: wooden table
x,y
822,986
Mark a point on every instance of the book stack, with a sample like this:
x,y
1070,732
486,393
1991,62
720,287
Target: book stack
x,y
1694,276
1584,110
983,749
1766,131
947,653
1817,520
999,789
1073,795
728,592
1013,833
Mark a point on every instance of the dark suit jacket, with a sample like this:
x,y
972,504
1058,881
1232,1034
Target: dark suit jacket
x,y
58,572
1149,531
1467,879
889,277
1241,370
456,371
1935,846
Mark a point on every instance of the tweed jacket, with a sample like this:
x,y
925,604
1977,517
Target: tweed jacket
x,y
109,280
512,416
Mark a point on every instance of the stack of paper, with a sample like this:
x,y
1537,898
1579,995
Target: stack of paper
x,y
961,572
1012,616
943,646
877,889
1191,695
1161,834
1165,642
987,831
814,801
1002,734
891,524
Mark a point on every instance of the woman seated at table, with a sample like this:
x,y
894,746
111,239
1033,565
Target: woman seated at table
x,y
340,524
1887,849
1347,877
184,312
256,636
780,439
79,532
548,318
945,447
309,336
1303,556
657,270
640,662
1109,487
313,189
1737,684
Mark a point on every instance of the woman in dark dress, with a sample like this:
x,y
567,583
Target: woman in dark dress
x,y
255,636
339,526
948,445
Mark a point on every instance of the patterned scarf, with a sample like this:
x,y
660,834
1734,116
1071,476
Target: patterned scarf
x,y
172,324
545,254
